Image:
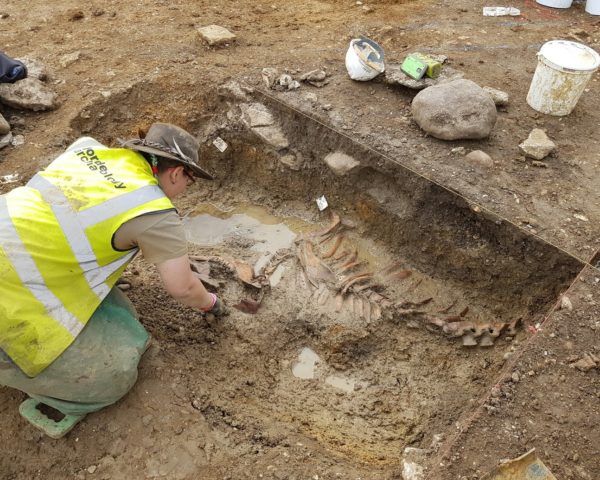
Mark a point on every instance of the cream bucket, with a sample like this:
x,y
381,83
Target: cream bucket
x,y
592,7
563,71
555,3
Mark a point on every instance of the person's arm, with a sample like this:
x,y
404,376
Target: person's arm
x,y
181,283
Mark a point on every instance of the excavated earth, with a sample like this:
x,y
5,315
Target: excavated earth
x,y
307,387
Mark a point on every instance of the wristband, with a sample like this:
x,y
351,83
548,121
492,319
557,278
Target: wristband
x,y
212,303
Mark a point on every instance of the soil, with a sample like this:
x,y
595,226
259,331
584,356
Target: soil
x,y
220,399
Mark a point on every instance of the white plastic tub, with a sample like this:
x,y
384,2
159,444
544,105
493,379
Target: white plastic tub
x,y
592,7
563,71
555,3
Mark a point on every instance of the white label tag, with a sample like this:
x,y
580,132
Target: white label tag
x,y
220,144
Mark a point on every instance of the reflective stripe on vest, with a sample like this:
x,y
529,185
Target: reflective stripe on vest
x,y
57,260
30,275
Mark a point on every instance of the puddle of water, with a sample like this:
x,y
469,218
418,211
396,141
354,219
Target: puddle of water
x,y
306,365
345,384
210,226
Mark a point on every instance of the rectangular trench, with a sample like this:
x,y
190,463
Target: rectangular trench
x,y
413,382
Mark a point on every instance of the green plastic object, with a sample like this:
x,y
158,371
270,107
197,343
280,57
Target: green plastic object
x,y
414,67
55,429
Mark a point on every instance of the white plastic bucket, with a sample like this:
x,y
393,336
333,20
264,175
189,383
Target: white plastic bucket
x,y
555,3
592,7
563,71
364,59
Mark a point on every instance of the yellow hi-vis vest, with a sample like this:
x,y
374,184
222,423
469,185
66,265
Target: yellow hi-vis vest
x,y
57,260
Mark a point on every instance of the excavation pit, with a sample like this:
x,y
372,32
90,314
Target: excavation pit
x,y
358,389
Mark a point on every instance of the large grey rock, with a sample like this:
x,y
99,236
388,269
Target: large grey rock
x,y
216,35
28,94
4,126
537,145
340,163
256,115
460,109
273,135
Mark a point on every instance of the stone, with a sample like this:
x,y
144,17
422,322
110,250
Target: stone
x,y
317,78
270,76
256,115
28,94
17,140
69,58
6,140
340,163
585,363
499,97
460,109
395,76
293,162
273,135
565,303
537,145
480,158
91,468
233,89
216,35
35,69
4,126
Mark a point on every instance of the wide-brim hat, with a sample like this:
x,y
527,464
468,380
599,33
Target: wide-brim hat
x,y
169,141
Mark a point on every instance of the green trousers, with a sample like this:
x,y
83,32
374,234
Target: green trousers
x,y
97,369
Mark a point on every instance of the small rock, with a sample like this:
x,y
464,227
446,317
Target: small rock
x,y
499,97
460,109
4,126
459,150
18,140
273,135
35,69
340,163
565,303
29,94
270,76
515,377
311,97
317,78
6,140
537,163
587,362
91,469
69,58
480,158
216,35
583,218
294,162
537,145
256,115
